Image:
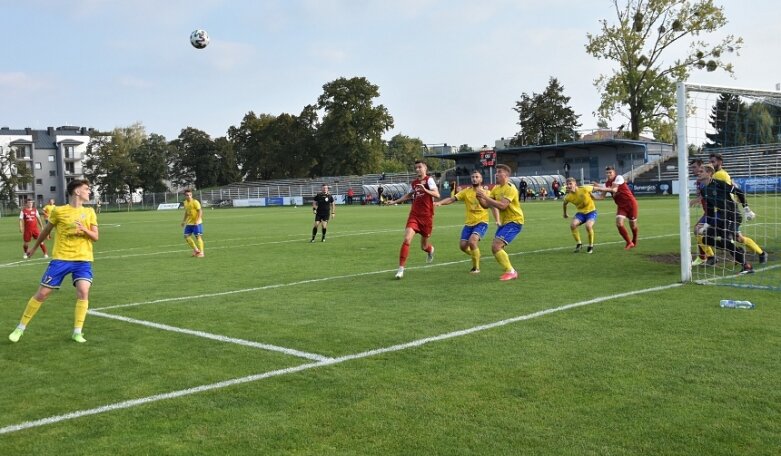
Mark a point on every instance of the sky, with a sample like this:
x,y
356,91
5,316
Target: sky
x,y
448,71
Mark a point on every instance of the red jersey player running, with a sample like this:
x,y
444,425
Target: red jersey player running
x,y
29,225
421,216
626,202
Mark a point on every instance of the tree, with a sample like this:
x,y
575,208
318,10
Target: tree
x,y
642,89
271,147
151,158
349,140
196,160
12,174
727,118
228,171
109,165
401,153
545,118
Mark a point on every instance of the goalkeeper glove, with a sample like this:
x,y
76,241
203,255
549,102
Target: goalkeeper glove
x,y
702,229
748,213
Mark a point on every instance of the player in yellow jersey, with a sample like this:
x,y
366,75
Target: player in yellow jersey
x,y
586,214
47,210
193,223
476,224
76,229
717,161
504,197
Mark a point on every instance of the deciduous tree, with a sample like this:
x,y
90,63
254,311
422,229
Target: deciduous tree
x,y
642,87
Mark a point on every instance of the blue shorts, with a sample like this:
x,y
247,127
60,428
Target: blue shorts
x,y
480,229
508,231
193,229
58,269
583,218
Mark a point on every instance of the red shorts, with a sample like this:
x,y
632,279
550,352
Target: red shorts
x,y
628,210
421,226
31,235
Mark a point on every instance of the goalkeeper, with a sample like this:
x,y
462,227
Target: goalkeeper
x,y
717,161
723,218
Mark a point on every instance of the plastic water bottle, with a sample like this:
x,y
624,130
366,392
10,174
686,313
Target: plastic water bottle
x,y
732,304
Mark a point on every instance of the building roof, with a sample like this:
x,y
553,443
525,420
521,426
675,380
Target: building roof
x,y
560,147
47,139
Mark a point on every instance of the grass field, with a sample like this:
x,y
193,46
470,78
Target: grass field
x,y
273,345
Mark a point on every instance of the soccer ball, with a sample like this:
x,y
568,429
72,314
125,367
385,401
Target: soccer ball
x,y
199,39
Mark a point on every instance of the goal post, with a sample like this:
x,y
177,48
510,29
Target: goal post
x,y
744,127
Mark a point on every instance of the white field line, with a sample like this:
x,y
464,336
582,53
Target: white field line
x,y
217,337
333,361
339,277
100,257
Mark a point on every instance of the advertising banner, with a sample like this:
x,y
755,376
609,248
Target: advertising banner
x,y
653,188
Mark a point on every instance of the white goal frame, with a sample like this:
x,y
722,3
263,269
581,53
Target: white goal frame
x,y
682,146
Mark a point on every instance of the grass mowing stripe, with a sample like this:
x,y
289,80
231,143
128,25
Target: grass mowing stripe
x,y
333,361
217,337
339,277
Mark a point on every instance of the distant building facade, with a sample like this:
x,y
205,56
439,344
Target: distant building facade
x,y
55,156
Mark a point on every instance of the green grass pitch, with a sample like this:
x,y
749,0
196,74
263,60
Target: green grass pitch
x,y
273,345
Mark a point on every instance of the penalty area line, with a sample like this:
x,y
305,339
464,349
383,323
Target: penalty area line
x,y
330,362
217,337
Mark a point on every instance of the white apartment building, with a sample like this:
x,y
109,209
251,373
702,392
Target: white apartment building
x,y
54,156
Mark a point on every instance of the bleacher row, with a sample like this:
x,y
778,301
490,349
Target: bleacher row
x,y
304,187
743,161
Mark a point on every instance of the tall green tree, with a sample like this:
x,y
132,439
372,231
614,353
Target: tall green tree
x,y
545,118
642,88
349,139
228,171
109,164
195,160
151,158
12,174
401,153
273,147
727,118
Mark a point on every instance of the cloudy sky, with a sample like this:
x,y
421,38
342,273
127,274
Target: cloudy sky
x,y
449,71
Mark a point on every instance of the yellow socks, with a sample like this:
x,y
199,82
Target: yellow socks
x,y
200,242
29,312
504,260
576,235
190,242
753,246
591,236
80,313
706,249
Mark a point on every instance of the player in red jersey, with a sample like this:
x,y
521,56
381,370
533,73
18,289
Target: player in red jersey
x,y
626,202
29,225
421,215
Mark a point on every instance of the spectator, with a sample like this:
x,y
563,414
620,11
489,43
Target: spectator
x,y
555,186
350,195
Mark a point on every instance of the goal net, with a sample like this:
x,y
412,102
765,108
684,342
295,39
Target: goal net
x,y
738,132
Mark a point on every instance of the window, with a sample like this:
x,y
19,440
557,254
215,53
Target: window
x,y
38,165
52,189
23,152
70,168
51,158
69,152
38,181
52,173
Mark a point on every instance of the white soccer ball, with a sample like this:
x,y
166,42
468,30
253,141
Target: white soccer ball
x,y
199,39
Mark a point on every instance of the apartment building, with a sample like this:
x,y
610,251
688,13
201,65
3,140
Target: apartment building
x,y
54,156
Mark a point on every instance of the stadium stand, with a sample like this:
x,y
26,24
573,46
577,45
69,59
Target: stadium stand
x,y
742,161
